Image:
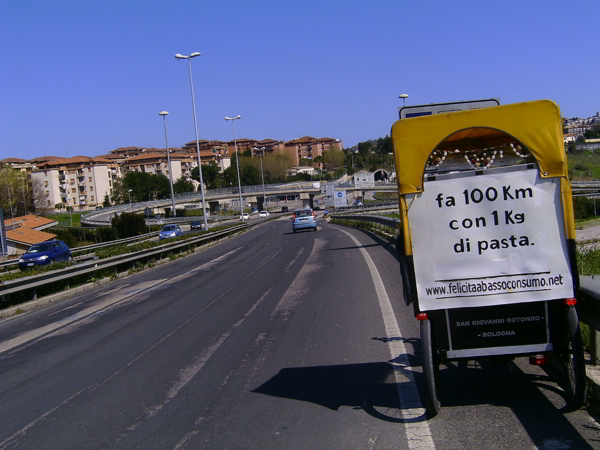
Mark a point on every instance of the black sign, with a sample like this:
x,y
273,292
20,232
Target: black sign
x,y
498,326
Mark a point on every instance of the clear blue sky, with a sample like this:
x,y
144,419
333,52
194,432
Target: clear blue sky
x,y
86,77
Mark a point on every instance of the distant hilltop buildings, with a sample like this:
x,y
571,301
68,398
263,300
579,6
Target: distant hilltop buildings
x,y
575,129
82,181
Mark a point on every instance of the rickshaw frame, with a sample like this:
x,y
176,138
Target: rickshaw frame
x,y
537,126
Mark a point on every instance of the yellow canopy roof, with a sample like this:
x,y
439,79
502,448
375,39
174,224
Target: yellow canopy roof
x,y
537,125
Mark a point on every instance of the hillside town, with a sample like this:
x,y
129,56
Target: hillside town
x,y
577,130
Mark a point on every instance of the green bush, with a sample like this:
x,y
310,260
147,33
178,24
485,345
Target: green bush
x,y
129,224
584,207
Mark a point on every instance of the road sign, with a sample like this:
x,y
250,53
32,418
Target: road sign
x,y
339,199
406,112
364,179
330,188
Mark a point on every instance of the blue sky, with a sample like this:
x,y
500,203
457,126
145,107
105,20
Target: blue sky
x,y
86,77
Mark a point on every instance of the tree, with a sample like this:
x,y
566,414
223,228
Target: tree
x,y
333,159
250,175
106,202
129,224
182,185
230,177
118,192
144,186
211,175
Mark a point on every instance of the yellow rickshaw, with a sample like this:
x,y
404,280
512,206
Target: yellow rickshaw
x,y
487,239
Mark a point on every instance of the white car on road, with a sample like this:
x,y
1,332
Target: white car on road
x,y
245,216
263,214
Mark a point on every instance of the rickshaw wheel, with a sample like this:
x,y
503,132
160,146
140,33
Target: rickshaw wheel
x,y
574,361
431,369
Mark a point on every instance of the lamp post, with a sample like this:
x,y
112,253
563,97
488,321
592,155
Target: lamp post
x,y
237,162
189,60
403,97
262,175
129,193
164,115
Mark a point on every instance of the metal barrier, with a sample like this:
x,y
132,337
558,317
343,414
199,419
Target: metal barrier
x,y
141,237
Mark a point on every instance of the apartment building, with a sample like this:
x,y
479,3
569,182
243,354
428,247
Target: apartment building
x,y
80,182
210,151
309,147
270,146
153,161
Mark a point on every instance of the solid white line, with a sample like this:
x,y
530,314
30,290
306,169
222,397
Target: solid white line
x,y
416,427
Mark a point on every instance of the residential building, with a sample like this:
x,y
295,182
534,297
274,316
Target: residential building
x,y
154,162
308,147
22,232
209,150
80,182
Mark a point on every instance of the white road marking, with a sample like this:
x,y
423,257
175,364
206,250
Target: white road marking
x,y
64,309
416,427
289,266
301,284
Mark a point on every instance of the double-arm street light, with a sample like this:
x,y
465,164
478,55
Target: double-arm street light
x,y
237,162
189,60
164,115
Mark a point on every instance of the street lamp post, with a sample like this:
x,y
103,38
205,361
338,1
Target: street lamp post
x,y
189,60
164,115
237,162
403,97
262,175
129,193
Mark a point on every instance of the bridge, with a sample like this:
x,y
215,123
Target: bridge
x,y
254,194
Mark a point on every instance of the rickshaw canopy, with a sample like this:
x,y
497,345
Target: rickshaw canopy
x,y
536,125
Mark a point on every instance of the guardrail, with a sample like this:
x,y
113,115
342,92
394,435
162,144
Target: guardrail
x,y
588,300
35,281
83,248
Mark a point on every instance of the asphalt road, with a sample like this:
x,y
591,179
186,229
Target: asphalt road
x,y
269,340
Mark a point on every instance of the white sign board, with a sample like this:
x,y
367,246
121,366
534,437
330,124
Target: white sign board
x,y
406,112
339,199
330,187
489,240
328,200
364,179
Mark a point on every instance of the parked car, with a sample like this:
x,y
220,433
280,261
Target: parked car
x,y
45,253
245,216
304,218
284,209
169,231
263,214
196,225
237,191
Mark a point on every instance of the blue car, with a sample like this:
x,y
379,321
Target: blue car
x,y
169,231
304,218
45,253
